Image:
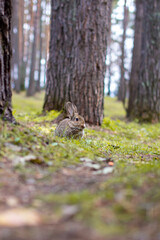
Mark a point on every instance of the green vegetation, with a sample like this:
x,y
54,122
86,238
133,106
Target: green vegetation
x,y
113,109
124,202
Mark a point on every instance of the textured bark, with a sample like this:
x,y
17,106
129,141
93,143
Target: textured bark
x,y
122,84
134,77
31,88
5,61
147,106
76,67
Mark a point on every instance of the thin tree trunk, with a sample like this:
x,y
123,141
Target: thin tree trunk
x,y
76,67
109,55
31,88
21,45
38,87
136,58
5,61
28,48
47,33
15,46
46,41
122,84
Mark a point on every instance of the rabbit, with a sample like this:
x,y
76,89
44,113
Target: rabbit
x,y
72,126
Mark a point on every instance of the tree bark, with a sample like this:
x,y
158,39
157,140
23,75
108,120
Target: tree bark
x,y
5,61
76,66
122,84
31,88
136,57
147,104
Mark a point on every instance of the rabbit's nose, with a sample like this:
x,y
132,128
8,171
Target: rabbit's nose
x,y
83,126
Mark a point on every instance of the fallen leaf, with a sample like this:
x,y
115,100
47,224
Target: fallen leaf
x,y
22,160
13,147
85,159
110,163
68,172
92,165
105,170
69,211
12,201
101,159
28,158
19,217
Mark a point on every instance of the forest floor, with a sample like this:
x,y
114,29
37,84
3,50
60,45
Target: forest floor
x,y
104,186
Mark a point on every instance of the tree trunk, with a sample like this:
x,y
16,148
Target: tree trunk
x,y
31,88
147,106
38,86
76,67
46,48
5,61
21,46
15,46
122,84
133,83
29,44
109,50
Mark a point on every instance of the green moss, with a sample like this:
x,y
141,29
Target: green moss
x,y
121,202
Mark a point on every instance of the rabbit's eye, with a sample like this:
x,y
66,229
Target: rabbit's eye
x,y
76,119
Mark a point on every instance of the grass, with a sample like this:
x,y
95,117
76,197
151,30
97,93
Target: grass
x,y
26,105
113,109
128,201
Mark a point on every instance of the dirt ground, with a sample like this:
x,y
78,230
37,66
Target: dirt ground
x,y
19,191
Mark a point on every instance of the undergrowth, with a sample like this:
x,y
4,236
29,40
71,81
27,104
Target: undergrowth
x,y
128,198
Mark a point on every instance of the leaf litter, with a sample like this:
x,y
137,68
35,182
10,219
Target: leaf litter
x,y
100,166
116,194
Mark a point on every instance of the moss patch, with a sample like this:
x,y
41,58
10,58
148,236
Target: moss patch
x,y
125,202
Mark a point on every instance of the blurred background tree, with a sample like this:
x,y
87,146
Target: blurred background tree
x,y
122,82
126,77
146,103
30,44
23,38
134,76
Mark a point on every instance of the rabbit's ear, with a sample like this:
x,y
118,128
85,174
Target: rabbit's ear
x,y
71,109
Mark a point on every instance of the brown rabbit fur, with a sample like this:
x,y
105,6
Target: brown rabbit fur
x,y
73,125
